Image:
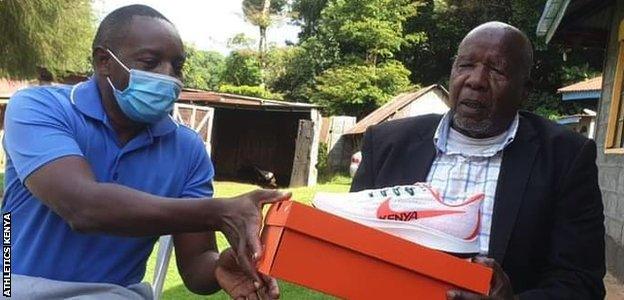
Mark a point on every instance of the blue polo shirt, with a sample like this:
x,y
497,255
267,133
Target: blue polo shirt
x,y
46,123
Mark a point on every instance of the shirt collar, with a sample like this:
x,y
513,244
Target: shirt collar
x,y
86,97
440,137
164,126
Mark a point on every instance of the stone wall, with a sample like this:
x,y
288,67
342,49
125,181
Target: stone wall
x,y
611,166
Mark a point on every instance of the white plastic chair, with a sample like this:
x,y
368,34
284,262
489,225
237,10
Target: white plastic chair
x,y
165,247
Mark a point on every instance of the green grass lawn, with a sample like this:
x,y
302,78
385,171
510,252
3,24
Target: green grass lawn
x,y
175,289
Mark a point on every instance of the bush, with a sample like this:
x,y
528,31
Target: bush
x,y
356,90
242,68
252,91
321,163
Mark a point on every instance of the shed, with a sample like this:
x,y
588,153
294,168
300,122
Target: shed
x,y
585,90
276,136
429,100
587,93
584,124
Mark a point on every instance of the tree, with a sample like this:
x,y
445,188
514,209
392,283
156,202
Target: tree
x,y
446,22
277,62
243,67
368,30
245,74
246,90
203,69
338,35
306,14
357,90
260,13
309,59
347,63
45,33
240,41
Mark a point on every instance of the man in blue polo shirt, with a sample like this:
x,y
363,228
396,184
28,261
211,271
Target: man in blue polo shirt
x,y
97,171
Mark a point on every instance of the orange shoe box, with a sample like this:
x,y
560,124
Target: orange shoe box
x,y
309,247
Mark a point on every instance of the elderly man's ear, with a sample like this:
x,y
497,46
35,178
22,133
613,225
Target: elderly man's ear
x,y
528,86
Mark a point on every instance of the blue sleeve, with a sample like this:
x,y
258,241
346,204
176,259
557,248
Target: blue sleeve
x,y
37,130
198,183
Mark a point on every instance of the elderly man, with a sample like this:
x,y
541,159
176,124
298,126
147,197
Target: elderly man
x,y
542,218
97,171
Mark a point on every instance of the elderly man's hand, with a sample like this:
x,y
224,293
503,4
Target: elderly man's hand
x,y
240,222
501,286
236,283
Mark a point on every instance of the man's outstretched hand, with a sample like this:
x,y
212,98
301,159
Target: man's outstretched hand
x,y
240,222
237,283
501,286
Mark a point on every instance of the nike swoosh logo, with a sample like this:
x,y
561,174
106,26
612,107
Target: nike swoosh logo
x,y
477,228
384,212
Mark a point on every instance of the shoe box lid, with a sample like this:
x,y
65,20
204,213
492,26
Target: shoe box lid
x,y
328,253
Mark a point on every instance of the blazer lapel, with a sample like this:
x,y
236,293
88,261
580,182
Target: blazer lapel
x,y
421,156
421,153
516,167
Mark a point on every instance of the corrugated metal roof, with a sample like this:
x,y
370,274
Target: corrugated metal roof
x,y
238,101
570,119
576,23
593,84
553,12
388,109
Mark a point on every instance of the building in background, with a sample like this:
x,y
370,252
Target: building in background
x,y
600,23
247,133
586,93
429,100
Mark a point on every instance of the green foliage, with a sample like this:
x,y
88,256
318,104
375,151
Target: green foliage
x,y
253,91
203,69
446,22
45,33
253,10
549,104
308,60
321,163
261,13
243,67
240,41
277,60
368,29
575,73
359,89
343,43
344,61
306,14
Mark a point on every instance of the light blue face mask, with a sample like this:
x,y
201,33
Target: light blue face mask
x,y
149,96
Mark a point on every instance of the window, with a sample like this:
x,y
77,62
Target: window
x,y
614,142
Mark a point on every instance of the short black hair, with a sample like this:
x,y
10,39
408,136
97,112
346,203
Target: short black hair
x,y
113,27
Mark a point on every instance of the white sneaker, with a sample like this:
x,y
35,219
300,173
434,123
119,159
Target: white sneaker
x,y
412,212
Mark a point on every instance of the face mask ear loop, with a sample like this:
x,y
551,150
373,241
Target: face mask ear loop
x,y
118,61
110,83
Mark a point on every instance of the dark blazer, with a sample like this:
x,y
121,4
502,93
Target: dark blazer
x,y
547,228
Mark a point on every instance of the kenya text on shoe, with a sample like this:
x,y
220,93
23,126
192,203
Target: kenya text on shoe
x,y
412,212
